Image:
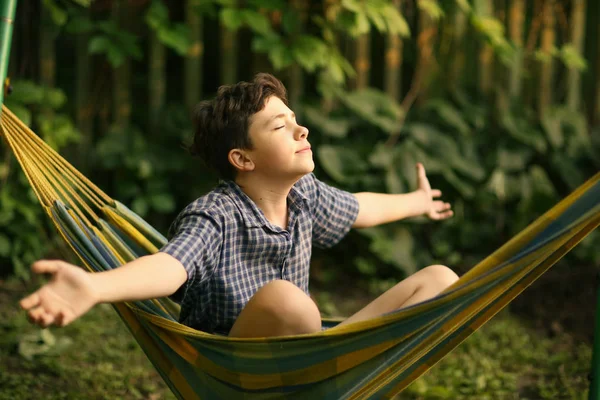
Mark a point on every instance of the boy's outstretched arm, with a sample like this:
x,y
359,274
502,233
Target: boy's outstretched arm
x,y
72,291
379,208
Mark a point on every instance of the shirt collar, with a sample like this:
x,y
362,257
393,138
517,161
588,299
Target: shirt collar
x,y
252,215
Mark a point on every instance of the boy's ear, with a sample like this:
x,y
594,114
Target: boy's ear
x,y
240,160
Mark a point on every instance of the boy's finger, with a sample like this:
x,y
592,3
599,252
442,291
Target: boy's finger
x,y
46,266
35,315
446,214
420,169
30,301
46,320
436,193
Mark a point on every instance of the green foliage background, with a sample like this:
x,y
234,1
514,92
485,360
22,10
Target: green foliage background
x,y
506,124
500,159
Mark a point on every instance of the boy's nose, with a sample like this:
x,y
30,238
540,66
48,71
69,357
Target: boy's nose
x,y
301,132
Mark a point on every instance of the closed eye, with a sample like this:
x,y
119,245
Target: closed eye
x,y
280,127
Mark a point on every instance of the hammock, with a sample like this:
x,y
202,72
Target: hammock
x,y
377,358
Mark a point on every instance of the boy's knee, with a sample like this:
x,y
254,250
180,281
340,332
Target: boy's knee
x,y
286,304
441,275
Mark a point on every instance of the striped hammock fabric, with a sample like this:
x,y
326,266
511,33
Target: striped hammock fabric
x,y
370,359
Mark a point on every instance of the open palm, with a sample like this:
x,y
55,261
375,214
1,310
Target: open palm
x,y
67,296
434,209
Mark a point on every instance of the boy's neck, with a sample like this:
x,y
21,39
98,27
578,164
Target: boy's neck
x,y
268,195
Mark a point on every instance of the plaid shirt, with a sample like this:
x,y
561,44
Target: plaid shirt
x,y
230,250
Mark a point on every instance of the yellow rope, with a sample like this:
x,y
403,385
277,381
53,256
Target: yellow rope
x,y
8,116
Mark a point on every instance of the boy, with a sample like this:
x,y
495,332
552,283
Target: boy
x,y
239,258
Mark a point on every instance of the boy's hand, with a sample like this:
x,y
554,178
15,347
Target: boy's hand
x,y
434,209
67,296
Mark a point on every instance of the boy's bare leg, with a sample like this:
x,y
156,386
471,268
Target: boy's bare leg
x,y
420,286
279,308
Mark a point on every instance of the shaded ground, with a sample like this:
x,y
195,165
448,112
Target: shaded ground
x,y
542,354
562,300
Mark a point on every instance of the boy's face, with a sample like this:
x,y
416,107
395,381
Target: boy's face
x,y
280,145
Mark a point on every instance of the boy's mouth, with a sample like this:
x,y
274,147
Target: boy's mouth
x,y
304,150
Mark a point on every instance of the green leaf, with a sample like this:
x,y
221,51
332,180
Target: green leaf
x,y
55,98
396,24
393,181
20,111
99,44
567,168
79,24
157,15
466,190
280,56
162,202
58,15
374,107
273,5
353,5
290,22
258,22
27,92
382,156
522,131
450,115
84,3
552,124
331,126
431,8
496,184
177,38
540,181
572,58
115,56
365,266
340,162
513,160
232,18
140,206
377,18
464,5
5,246
310,52
442,147
394,247
264,44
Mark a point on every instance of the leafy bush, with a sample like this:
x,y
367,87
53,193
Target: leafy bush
x,y
24,229
499,170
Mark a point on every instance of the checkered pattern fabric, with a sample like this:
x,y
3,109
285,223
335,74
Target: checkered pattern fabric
x,y
230,250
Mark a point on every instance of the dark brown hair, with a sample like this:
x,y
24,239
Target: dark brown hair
x,y
222,124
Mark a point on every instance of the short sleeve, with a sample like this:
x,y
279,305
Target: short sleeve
x,y
196,243
333,210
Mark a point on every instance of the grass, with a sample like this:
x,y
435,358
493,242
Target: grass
x,y
97,358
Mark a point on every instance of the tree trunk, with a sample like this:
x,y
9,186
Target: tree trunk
x,y
428,31
596,111
577,38
516,22
47,48
121,74
486,54
84,109
193,62
296,74
547,66
393,62
457,65
362,61
329,10
229,48
156,83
